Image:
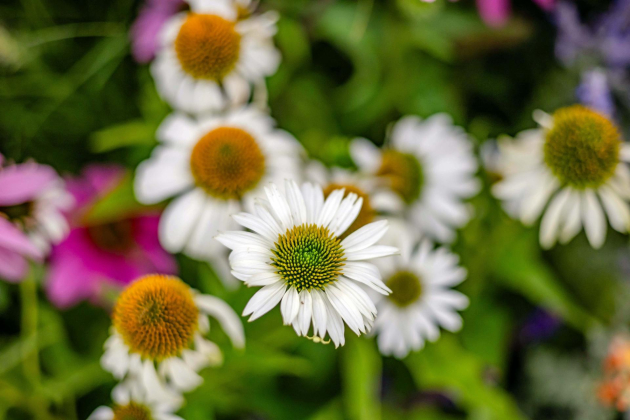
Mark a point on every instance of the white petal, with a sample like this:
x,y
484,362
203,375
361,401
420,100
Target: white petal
x,y
593,219
102,413
616,209
165,174
296,202
366,236
376,251
222,312
180,374
365,154
550,225
290,305
306,312
264,300
331,205
319,313
179,219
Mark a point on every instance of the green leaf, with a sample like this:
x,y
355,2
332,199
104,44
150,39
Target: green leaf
x,y
131,133
361,379
446,365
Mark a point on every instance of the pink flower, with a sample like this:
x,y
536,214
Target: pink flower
x,y
497,12
145,30
111,253
32,199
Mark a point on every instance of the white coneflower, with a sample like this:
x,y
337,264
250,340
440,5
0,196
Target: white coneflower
x,y
131,403
431,166
216,166
421,300
209,57
296,254
157,336
575,163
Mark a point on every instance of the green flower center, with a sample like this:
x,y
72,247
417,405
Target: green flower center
x,y
308,256
404,173
582,147
406,288
132,411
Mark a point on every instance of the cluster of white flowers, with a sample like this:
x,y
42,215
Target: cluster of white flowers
x,y
306,234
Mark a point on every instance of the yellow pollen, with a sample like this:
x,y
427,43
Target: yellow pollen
x,y
156,316
227,162
582,147
132,411
207,46
308,257
367,213
406,288
404,173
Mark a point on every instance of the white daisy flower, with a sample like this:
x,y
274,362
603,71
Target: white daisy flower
x,y
422,300
296,254
431,166
208,57
157,336
216,167
573,171
131,403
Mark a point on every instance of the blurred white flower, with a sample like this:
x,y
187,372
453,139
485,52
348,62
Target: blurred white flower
x,y
216,166
208,57
157,336
422,300
297,255
131,403
572,170
431,167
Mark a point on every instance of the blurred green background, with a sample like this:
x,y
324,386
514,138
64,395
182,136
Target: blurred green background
x,y
71,94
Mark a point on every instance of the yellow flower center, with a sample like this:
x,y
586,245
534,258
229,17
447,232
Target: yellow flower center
x,y
367,213
207,46
582,147
406,288
227,162
308,256
156,316
404,173
132,411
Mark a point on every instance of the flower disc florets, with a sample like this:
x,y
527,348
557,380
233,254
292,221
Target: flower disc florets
x,y
582,147
156,316
406,288
132,411
207,46
404,172
308,257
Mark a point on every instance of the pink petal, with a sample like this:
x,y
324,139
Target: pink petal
x,y
546,5
494,12
146,235
96,180
13,267
14,240
68,282
146,28
22,183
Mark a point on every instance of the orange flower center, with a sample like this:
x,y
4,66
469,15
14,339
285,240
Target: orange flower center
x,y
156,316
132,411
207,46
227,162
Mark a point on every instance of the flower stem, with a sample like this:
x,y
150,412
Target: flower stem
x,y
28,293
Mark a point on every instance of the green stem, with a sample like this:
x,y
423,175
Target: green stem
x,y
28,292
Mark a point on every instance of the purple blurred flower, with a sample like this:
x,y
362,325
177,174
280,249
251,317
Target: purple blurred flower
x,y
146,28
538,326
32,199
600,50
497,12
108,253
594,92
